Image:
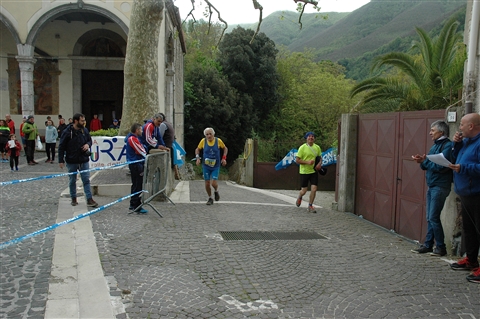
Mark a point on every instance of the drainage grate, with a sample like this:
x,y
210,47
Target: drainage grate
x,y
265,235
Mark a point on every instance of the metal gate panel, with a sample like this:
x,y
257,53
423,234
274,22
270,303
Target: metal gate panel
x,y
375,189
411,191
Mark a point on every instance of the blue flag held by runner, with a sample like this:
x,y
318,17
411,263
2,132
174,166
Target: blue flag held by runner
x,y
329,157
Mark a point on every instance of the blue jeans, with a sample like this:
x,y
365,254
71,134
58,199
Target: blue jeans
x,y
73,179
436,197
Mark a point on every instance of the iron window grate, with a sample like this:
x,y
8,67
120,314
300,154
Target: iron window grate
x,y
266,235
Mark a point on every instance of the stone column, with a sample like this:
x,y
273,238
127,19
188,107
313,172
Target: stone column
x,y
347,162
26,63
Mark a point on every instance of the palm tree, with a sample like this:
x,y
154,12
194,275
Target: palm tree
x,y
425,81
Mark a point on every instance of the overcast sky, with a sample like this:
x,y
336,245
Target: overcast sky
x,y
242,11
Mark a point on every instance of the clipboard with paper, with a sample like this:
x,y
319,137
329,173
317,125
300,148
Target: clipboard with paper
x,y
439,159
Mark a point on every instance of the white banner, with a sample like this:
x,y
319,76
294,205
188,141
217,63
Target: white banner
x,y
107,151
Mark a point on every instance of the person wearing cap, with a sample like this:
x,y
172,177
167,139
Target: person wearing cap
x,y
308,171
115,124
31,133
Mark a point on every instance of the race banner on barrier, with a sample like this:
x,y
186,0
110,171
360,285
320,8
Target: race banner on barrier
x,y
107,151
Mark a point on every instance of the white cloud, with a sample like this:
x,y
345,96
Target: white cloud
x,y
242,11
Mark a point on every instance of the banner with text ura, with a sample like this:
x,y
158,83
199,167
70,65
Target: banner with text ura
x,y
107,151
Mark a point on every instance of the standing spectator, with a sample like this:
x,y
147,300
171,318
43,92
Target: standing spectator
x,y
74,150
308,171
70,120
61,127
95,124
167,132
439,181
60,117
49,118
51,136
13,150
136,151
115,124
4,137
466,176
151,134
211,146
22,134
31,133
10,123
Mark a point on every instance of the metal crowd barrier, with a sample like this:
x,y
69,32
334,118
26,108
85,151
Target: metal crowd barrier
x,y
155,177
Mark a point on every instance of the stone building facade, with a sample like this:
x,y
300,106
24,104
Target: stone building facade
x,y
60,57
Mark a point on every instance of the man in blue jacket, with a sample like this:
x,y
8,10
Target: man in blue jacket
x,y
439,181
136,151
467,186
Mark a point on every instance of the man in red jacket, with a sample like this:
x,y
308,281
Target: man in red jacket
x,y
95,124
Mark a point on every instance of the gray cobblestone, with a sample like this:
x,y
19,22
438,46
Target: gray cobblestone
x,y
177,267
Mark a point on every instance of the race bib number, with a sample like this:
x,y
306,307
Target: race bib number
x,y
210,162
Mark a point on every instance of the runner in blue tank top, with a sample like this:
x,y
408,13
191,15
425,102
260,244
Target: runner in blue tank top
x,y
210,161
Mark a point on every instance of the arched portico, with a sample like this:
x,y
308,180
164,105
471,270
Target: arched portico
x,y
33,50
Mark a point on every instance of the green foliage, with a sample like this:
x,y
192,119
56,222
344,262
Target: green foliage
x,y
424,81
250,66
213,103
314,95
108,132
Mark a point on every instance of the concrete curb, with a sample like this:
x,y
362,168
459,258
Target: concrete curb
x,y
77,286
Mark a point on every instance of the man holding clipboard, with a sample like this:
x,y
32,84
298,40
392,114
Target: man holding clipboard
x,y
439,180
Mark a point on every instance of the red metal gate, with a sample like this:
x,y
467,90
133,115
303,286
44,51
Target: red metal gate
x,y
390,188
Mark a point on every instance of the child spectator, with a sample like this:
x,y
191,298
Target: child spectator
x,y
13,149
136,151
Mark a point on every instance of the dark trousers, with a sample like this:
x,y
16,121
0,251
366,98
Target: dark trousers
x,y
13,160
471,225
136,175
50,148
30,150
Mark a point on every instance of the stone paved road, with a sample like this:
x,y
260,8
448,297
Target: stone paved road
x,y
179,266
25,267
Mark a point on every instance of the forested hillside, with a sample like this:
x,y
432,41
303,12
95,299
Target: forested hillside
x,y
353,39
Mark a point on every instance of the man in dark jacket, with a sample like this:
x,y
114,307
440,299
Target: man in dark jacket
x,y
167,132
439,181
74,150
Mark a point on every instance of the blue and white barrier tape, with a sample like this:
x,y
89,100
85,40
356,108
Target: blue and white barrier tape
x,y
38,232
17,181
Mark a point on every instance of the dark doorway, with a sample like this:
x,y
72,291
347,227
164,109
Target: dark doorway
x,y
102,94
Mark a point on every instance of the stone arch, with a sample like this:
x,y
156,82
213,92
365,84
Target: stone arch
x,y
88,39
60,10
10,28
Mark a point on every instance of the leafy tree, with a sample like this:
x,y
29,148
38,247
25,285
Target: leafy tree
x,y
213,103
314,95
425,81
251,69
